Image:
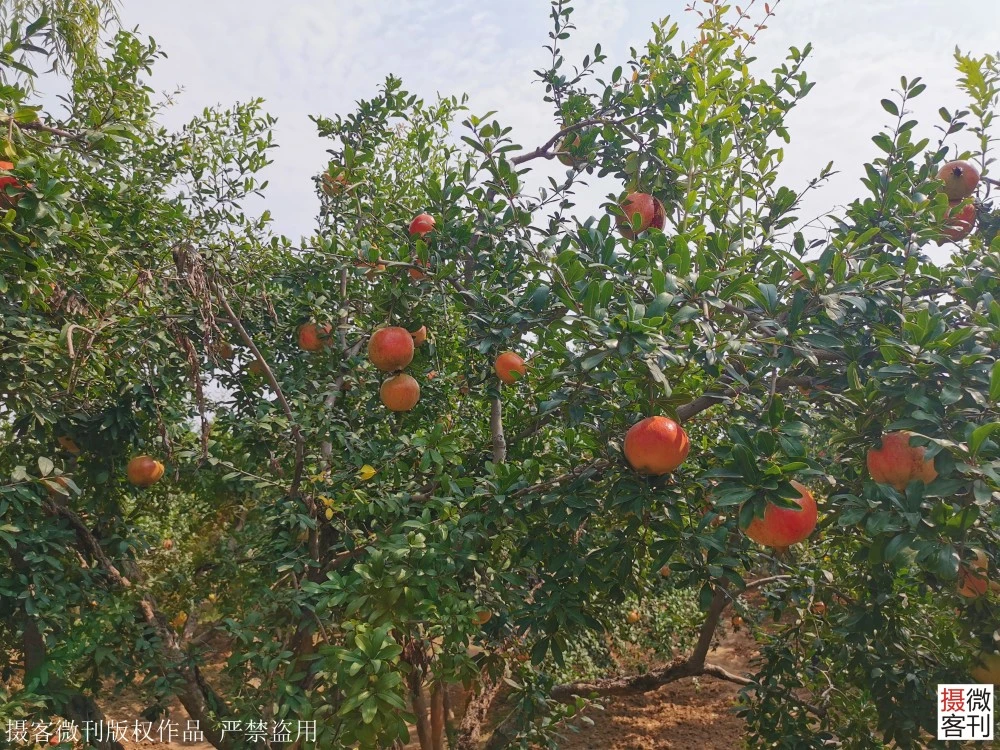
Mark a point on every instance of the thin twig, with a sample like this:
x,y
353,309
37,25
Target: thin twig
x,y
300,446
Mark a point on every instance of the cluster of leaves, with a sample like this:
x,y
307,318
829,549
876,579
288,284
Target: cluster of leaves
x,y
669,619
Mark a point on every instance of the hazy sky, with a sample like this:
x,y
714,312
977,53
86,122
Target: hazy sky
x,y
320,56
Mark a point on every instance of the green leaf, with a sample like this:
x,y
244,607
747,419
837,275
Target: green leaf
x,y
368,710
705,596
980,434
896,545
732,496
745,463
769,296
594,360
883,142
890,106
945,562
995,382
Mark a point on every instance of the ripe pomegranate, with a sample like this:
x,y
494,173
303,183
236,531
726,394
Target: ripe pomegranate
x,y
168,544
897,463
568,152
312,338
416,274
68,444
483,616
256,368
334,184
223,350
507,364
400,392
633,617
373,268
783,527
646,207
143,471
390,348
665,571
960,222
818,609
9,199
656,445
960,179
987,668
419,335
972,580
737,622
62,482
421,224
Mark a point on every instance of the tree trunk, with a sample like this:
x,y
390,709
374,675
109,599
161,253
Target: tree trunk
x,y
470,731
420,710
80,709
437,716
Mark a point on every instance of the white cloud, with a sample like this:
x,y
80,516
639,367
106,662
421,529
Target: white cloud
x,y
315,56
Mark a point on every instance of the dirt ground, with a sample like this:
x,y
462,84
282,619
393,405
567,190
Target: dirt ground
x,y
690,713
683,715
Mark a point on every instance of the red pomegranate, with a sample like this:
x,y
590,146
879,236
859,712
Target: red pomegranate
x,y
656,445
8,198
897,463
390,348
421,224
960,179
507,364
782,527
400,392
647,208
960,222
312,338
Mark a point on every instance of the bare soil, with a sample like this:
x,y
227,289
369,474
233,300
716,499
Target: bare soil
x,y
689,713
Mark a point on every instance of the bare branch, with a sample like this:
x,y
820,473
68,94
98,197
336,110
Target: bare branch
x,y
720,600
41,127
596,465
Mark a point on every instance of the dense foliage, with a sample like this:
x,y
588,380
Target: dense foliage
x,y
347,557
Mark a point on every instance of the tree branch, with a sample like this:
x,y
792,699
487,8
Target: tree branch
x,y
300,445
596,465
496,430
720,600
201,702
79,708
543,150
40,127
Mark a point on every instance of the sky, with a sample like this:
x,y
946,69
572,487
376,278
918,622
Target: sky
x,y
320,56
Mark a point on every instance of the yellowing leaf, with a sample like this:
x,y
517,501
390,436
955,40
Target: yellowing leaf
x,y
366,473
329,514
